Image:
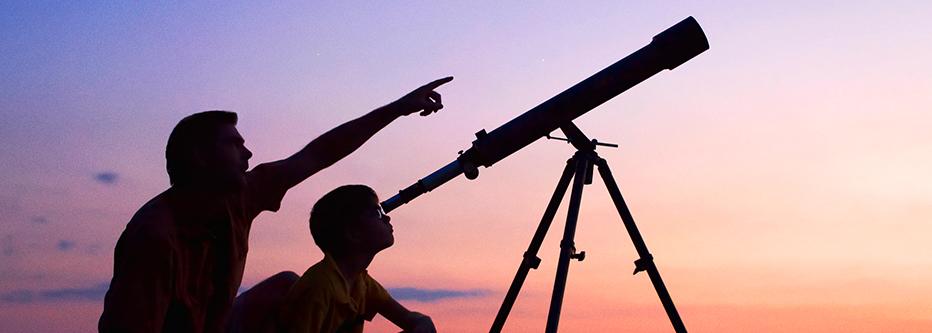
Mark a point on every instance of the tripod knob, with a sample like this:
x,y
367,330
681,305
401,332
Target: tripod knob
x,y
579,256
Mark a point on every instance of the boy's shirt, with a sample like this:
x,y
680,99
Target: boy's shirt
x,y
322,302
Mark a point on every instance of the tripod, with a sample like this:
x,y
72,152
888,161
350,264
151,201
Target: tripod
x,y
580,169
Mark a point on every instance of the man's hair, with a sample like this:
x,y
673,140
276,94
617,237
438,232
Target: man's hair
x,y
192,133
331,214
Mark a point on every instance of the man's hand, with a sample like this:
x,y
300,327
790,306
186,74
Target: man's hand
x,y
420,323
423,99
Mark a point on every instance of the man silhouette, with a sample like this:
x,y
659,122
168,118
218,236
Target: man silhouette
x,y
179,263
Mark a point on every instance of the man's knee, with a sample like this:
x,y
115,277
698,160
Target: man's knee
x,y
255,309
280,282
276,286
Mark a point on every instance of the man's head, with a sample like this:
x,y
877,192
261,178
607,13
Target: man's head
x,y
205,149
350,218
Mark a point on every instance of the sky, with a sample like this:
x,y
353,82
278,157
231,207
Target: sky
x,y
780,179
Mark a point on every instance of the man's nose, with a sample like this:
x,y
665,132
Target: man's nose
x,y
386,219
247,153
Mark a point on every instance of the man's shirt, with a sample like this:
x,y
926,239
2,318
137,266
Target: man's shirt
x,y
323,302
173,273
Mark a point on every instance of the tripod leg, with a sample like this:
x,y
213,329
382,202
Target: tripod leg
x,y
530,257
567,246
646,261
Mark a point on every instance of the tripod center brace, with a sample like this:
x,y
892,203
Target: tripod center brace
x,y
579,168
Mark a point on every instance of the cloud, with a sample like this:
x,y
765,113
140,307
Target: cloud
x,y
65,245
95,293
39,220
432,295
17,296
106,177
76,294
93,249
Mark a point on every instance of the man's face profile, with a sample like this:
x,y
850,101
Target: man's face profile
x,y
226,159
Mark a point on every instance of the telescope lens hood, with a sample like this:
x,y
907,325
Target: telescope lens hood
x,y
681,42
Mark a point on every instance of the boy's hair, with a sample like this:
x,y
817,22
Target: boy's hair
x,y
331,213
192,133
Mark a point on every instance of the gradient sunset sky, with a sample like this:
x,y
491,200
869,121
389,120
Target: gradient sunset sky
x,y
781,179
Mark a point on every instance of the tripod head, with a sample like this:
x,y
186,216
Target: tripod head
x,y
578,139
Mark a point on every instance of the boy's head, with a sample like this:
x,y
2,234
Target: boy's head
x,y
350,219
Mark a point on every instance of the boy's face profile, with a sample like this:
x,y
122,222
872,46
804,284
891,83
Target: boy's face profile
x,y
373,230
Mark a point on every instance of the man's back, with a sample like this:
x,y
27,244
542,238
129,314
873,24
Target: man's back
x,y
174,271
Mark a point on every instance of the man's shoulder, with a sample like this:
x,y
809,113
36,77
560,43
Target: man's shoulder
x,y
268,172
266,167
152,224
265,187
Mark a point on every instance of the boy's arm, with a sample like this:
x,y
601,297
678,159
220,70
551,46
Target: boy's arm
x,y
409,321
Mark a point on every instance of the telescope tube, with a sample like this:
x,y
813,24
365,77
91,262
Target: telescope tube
x,y
667,50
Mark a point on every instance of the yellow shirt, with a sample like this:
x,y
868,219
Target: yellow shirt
x,y
323,302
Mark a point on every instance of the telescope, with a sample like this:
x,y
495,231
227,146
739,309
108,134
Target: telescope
x,y
667,50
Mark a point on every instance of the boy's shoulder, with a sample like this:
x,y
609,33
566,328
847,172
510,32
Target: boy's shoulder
x,y
320,277
323,282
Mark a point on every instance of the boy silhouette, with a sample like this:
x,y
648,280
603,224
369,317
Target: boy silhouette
x,y
337,294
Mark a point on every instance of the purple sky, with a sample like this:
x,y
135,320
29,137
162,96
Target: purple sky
x,y
783,174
